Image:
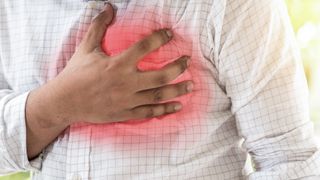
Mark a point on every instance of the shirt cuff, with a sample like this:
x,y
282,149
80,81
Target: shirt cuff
x,y
14,136
305,170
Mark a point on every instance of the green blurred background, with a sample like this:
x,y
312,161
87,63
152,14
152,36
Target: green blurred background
x,y
305,17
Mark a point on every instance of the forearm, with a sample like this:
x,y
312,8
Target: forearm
x,y
13,140
44,122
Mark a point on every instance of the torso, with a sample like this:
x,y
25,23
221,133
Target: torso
x,y
188,145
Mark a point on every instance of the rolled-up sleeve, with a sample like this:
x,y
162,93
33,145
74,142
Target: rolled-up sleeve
x,y
13,148
260,67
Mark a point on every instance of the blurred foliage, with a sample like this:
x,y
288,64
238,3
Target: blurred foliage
x,y
303,11
305,17
18,176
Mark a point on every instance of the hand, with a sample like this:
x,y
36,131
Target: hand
x,y
97,88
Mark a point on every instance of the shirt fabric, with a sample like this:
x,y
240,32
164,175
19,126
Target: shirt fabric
x,y
253,93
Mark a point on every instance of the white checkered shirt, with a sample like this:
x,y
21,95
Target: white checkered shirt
x,y
254,94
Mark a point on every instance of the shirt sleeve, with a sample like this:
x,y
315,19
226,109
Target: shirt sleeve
x,y
13,149
260,68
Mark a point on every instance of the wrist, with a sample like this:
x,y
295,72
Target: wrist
x,y
43,108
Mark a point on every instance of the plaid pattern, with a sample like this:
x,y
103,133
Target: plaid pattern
x,y
247,73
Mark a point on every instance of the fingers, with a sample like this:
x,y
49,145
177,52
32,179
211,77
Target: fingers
x,y
157,95
97,29
154,79
150,111
147,45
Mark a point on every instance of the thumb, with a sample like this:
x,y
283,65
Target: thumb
x,y
97,29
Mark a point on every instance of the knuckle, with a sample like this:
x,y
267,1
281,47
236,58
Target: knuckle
x,y
136,112
144,45
163,36
183,64
175,90
162,79
182,89
149,112
169,108
157,95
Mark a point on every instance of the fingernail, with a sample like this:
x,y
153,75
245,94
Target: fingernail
x,y
169,33
105,8
188,60
190,86
177,107
113,5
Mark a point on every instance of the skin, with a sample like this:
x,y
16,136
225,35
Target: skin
x,y
95,88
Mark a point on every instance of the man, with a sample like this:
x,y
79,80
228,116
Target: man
x,y
248,94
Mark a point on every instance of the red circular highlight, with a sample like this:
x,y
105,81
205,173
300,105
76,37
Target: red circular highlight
x,y
123,34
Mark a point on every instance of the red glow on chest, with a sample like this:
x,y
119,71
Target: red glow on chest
x,y
124,34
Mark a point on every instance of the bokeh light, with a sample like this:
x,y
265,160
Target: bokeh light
x,y
305,17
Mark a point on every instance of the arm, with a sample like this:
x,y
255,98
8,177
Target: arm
x,y
45,111
92,87
260,67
